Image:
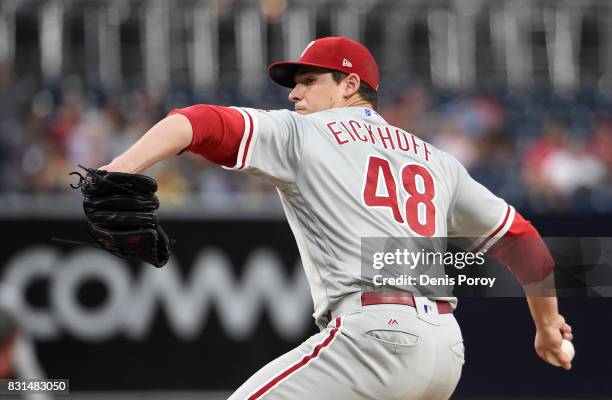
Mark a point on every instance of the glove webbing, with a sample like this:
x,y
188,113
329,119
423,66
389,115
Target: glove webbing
x,y
83,180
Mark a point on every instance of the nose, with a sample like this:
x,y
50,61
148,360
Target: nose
x,y
296,94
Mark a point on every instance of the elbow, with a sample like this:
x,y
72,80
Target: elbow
x,y
538,271
524,252
182,129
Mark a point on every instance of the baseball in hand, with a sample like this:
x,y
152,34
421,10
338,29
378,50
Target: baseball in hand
x,y
567,347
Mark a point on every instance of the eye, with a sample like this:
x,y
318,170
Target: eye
x,y
306,80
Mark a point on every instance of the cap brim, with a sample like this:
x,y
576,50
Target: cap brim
x,y
283,72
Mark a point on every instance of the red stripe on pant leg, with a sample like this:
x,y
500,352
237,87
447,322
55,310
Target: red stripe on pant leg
x,y
298,365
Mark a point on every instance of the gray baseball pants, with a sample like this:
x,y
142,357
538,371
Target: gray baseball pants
x,y
383,351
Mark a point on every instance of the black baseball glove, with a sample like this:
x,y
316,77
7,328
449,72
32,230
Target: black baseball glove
x,y
121,213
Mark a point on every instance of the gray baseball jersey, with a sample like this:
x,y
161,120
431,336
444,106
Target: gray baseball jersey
x,y
345,173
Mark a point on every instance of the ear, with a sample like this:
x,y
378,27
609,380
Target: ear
x,y
352,83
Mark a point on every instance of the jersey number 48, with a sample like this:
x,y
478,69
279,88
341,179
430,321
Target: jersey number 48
x,y
419,209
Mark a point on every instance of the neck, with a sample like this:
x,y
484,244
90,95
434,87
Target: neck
x,y
355,101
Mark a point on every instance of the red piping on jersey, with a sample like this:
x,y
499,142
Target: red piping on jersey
x,y
248,142
523,251
315,353
495,232
217,132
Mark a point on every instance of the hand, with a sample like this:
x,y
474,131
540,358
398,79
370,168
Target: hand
x,y
549,337
113,167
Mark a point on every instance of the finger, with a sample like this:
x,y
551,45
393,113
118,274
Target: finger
x,y
568,336
562,320
566,328
563,358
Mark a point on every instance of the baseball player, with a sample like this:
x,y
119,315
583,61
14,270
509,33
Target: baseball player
x,y
343,173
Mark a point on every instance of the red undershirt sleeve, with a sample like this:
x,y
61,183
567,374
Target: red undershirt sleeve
x,y
217,132
523,251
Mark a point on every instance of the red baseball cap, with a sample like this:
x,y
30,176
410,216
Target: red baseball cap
x,y
335,53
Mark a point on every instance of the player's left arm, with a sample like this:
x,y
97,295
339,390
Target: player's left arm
x,y
263,143
167,138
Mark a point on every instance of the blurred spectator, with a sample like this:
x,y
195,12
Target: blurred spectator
x,y
173,187
557,165
456,141
540,188
571,167
601,142
412,111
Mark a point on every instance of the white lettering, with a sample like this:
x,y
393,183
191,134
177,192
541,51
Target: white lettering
x,y
132,303
377,258
469,281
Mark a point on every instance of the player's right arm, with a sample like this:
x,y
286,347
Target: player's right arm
x,y
524,252
551,327
505,235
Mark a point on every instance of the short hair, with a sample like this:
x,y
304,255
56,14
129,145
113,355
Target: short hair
x,y
365,91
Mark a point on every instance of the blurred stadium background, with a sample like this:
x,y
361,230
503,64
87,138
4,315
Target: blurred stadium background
x,y
519,90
